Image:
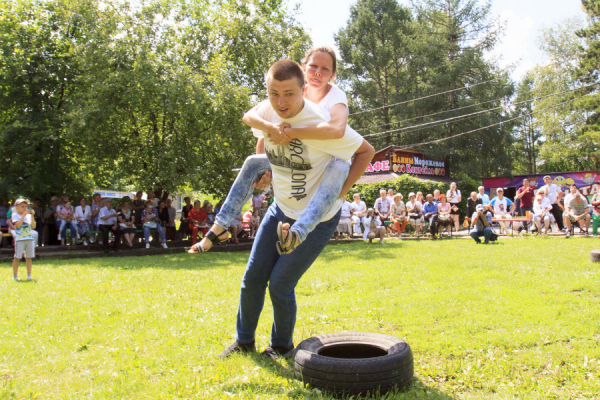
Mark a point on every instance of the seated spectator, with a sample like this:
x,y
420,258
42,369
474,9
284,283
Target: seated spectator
x,y
107,221
220,204
360,210
398,214
96,206
481,225
596,214
382,206
420,198
414,211
444,218
39,221
3,212
150,221
170,229
345,223
67,216
372,225
430,213
263,209
577,210
126,219
163,215
246,217
83,215
254,223
210,214
436,196
472,201
541,211
501,206
236,228
184,222
198,221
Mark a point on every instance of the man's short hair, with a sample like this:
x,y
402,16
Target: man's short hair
x,y
575,186
356,194
499,190
480,187
284,70
526,179
382,191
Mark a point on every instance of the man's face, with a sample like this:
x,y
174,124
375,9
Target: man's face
x,y
390,193
429,198
547,181
436,193
37,203
526,183
481,190
168,202
356,198
500,193
285,97
573,189
382,194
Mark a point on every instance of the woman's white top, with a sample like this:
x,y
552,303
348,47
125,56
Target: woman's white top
x,y
83,214
451,198
335,96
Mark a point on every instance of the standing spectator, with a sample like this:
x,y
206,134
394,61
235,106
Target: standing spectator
x,y
372,225
525,194
170,233
503,208
398,214
153,198
414,211
150,221
126,219
577,210
382,206
480,225
96,206
198,221
220,204
390,195
138,207
454,198
485,199
184,225
83,216
257,200
345,223
210,214
360,210
107,221
541,211
554,195
163,215
3,212
596,214
430,213
39,220
49,218
471,203
24,223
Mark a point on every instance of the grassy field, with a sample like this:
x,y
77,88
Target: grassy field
x,y
515,320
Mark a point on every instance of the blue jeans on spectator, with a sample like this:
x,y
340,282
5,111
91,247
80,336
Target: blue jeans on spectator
x,y
159,229
487,233
256,165
281,273
63,229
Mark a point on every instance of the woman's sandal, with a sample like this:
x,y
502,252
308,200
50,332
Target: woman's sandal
x,y
288,240
214,239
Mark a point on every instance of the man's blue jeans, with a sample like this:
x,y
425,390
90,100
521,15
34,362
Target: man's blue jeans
x,y
487,233
281,273
256,165
159,229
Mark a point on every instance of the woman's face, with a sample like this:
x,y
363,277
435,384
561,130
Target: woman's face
x,y
443,200
319,70
453,186
83,202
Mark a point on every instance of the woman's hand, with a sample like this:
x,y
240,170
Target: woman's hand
x,y
277,134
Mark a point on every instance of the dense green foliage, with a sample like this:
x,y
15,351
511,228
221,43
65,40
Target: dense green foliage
x,y
127,94
393,54
484,322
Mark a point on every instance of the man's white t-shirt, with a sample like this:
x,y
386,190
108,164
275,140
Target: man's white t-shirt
x,y
545,205
347,209
299,167
552,192
501,206
335,96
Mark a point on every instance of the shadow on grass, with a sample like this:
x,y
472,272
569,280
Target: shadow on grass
x,y
332,253
285,369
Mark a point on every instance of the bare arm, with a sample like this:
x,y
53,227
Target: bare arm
x,y
362,158
334,129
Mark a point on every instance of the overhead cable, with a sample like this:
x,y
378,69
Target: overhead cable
x,y
468,86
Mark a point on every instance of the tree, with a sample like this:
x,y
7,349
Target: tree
x,y
588,73
440,49
527,132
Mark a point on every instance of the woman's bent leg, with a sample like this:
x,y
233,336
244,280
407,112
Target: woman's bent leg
x,y
242,189
325,197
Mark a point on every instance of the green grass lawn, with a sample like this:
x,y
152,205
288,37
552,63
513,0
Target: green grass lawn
x,y
515,320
